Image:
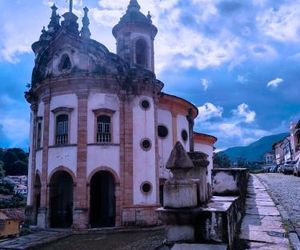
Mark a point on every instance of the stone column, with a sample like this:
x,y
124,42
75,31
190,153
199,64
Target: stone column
x,y
80,215
30,211
190,119
43,210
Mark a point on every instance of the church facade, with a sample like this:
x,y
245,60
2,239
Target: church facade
x,y
102,129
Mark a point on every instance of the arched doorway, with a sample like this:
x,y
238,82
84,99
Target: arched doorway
x,y
102,200
37,197
61,200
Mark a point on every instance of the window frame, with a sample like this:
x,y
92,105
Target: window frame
x,y
57,112
147,54
39,139
103,112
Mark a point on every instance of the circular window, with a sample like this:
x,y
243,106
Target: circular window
x,y
162,131
146,187
146,144
145,104
184,135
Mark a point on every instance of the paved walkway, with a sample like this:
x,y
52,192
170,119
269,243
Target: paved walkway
x,y
34,240
262,226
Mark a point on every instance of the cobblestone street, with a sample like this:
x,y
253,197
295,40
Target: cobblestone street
x,y
285,191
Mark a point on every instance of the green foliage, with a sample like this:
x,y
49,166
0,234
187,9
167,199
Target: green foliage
x,y
222,161
6,187
15,202
2,171
15,161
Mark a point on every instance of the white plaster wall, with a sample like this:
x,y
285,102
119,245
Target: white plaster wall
x,y
207,149
165,145
182,123
144,168
108,101
62,156
69,101
103,156
41,109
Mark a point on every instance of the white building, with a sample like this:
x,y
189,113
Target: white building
x,y
101,127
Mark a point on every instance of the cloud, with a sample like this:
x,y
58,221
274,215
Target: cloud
x,y
281,23
209,111
242,79
204,83
243,111
236,129
275,83
16,131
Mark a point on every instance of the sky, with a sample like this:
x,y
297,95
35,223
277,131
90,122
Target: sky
x,y
237,61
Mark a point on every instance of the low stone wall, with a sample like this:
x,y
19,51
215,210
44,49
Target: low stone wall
x,y
230,181
140,216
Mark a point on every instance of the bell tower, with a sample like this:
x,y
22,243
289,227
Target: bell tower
x,y
135,35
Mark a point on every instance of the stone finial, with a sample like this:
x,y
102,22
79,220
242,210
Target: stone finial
x,y
134,5
54,20
179,162
179,158
85,31
149,17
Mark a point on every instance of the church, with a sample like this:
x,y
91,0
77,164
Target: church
x,y
101,128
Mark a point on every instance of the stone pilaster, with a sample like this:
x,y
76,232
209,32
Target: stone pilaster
x,y
126,148
42,213
30,211
174,127
80,215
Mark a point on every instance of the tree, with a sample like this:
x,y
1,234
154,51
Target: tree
x,y
221,161
2,171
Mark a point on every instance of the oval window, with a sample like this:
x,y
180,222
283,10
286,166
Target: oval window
x,y
184,135
146,187
145,104
146,144
162,131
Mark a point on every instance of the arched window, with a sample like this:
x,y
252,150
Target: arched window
x,y
65,63
141,53
61,135
103,129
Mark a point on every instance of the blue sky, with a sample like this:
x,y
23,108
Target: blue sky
x,y
237,61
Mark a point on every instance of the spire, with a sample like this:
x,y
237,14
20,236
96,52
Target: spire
x,y
133,6
85,31
71,6
54,23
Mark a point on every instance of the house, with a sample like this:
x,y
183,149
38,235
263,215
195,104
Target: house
x,y
269,158
295,139
10,221
102,129
279,154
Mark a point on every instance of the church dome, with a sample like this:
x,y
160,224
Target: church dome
x,y
64,51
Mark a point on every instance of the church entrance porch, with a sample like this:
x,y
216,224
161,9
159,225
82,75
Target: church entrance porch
x,y
102,200
61,200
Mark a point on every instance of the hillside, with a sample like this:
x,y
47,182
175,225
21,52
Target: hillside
x,y
255,150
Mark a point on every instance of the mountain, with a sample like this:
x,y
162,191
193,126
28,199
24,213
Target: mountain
x,y
254,151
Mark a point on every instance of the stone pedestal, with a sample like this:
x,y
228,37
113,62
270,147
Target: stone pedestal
x,y
199,175
80,218
42,218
